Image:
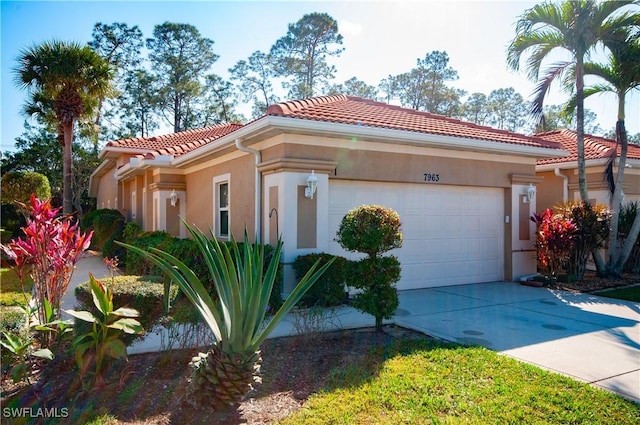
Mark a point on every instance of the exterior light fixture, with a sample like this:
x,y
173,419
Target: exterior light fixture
x,y
173,198
312,185
531,193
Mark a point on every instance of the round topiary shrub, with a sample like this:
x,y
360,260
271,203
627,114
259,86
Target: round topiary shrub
x,y
370,229
373,230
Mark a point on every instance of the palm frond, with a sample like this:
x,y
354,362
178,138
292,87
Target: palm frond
x,y
542,88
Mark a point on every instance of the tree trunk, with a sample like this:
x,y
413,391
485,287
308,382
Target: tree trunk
x,y
582,174
616,202
67,168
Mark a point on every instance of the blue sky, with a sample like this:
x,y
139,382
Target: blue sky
x,y
380,38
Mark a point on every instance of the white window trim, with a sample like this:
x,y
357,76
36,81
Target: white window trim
x,y
217,181
134,208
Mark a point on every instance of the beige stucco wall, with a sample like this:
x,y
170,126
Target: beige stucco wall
x,y
374,162
550,191
107,190
199,188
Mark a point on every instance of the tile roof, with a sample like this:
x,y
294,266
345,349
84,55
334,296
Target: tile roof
x,y
175,144
336,109
355,110
595,147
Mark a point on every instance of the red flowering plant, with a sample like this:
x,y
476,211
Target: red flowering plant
x,y
48,252
555,237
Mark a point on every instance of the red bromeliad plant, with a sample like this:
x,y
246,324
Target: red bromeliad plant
x,y
48,253
554,240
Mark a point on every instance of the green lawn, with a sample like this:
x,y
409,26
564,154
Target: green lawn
x,y
629,294
11,291
420,382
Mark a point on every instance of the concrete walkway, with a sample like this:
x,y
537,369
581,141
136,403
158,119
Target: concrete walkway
x,y
590,338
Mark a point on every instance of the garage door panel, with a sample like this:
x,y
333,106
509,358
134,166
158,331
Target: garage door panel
x,y
452,235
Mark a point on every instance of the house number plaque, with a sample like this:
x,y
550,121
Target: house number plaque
x,y
431,177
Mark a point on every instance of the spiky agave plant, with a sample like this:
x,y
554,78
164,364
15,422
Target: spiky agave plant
x,y
223,375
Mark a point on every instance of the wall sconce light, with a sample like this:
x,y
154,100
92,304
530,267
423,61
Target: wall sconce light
x,y
531,193
173,198
312,185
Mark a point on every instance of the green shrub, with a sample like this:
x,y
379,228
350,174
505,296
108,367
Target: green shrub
x,y
375,276
592,230
138,265
186,251
329,288
12,319
107,226
131,231
370,229
627,216
143,293
19,185
373,230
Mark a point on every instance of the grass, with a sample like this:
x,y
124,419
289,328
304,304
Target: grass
x,y
629,294
419,382
11,290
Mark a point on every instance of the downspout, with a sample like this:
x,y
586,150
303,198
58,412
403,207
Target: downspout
x,y
565,184
258,186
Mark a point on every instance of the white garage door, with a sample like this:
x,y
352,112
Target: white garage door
x,y
452,235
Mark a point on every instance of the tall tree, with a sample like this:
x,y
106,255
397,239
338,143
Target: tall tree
x,y
355,87
507,109
179,55
65,82
136,105
254,81
217,104
425,86
575,26
121,46
302,54
476,109
557,117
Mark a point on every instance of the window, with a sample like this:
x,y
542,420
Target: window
x,y
222,206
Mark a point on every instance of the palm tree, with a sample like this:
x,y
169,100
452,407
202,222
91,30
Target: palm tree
x,y
65,81
576,27
620,76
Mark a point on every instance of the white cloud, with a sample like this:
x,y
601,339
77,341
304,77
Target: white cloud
x,y
349,29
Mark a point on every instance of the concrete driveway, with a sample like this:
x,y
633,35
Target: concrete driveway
x,y
590,338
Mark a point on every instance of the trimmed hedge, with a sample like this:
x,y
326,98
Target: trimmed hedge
x,y
107,226
187,252
329,290
144,293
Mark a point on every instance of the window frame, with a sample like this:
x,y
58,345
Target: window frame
x,y
218,182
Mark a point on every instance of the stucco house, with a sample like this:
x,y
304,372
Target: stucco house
x,y
464,192
560,175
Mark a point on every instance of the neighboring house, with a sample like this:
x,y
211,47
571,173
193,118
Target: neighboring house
x,y
560,175
460,188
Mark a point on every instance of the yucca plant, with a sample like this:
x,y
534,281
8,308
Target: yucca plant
x,y
223,375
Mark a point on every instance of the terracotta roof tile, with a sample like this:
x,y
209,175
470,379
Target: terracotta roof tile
x,y
175,144
355,110
337,109
595,147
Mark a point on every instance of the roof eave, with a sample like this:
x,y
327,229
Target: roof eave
x,y
570,165
136,166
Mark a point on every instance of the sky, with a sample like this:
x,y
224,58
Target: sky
x,y
380,38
